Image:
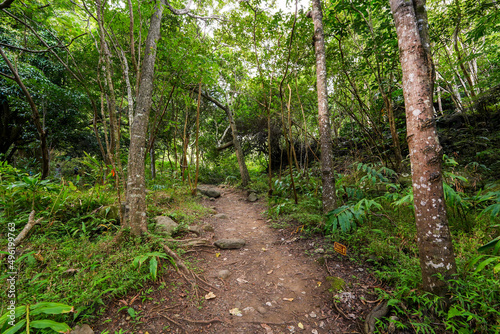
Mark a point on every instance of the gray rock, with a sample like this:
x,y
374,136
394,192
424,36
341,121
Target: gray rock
x,y
209,191
165,225
252,197
84,329
223,274
208,228
230,243
261,309
196,229
221,216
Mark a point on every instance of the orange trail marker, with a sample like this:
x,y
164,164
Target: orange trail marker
x,y
339,248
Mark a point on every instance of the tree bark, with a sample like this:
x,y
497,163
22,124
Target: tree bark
x,y
136,183
327,172
433,236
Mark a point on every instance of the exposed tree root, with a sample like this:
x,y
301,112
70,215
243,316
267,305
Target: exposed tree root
x,y
186,243
377,312
203,322
340,312
174,322
188,275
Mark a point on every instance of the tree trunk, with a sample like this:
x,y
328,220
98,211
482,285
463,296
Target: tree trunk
x,y
152,160
433,236
245,176
136,183
327,173
36,117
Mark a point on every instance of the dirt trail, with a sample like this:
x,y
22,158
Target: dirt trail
x,y
276,287
273,283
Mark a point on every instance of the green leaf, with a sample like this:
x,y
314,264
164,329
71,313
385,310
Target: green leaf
x,y
486,262
489,245
453,312
59,327
153,267
16,327
19,312
50,308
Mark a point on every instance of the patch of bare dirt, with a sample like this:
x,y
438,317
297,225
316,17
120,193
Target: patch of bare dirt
x,y
277,283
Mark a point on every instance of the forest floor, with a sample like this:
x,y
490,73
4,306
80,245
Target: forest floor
x,y
279,282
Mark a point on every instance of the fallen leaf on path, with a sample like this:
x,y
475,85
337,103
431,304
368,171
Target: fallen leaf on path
x,y
241,280
319,284
268,329
300,325
210,295
264,249
288,299
236,312
270,272
291,329
217,254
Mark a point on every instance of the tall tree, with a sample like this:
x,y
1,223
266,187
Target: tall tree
x,y
327,173
136,182
433,235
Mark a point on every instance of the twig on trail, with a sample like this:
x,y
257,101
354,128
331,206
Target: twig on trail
x,y
202,280
203,322
154,309
264,322
340,311
326,266
174,322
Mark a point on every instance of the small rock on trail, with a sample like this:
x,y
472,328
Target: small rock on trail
x,y
209,191
230,243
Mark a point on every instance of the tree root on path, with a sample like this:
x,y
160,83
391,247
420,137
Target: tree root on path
x,y
201,322
340,311
187,274
186,243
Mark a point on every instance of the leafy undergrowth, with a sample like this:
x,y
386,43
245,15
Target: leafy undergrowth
x,y
73,257
375,220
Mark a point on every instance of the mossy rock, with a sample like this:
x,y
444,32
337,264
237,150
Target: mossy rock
x,y
110,212
336,284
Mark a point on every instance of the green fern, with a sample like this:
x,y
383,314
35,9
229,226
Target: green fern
x,y
346,216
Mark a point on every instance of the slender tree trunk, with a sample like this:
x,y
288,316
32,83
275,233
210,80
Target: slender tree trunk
x,y
433,236
35,115
152,159
245,176
327,172
394,132
136,183
196,141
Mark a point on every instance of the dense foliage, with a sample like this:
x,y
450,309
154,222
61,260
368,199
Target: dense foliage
x,y
81,64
